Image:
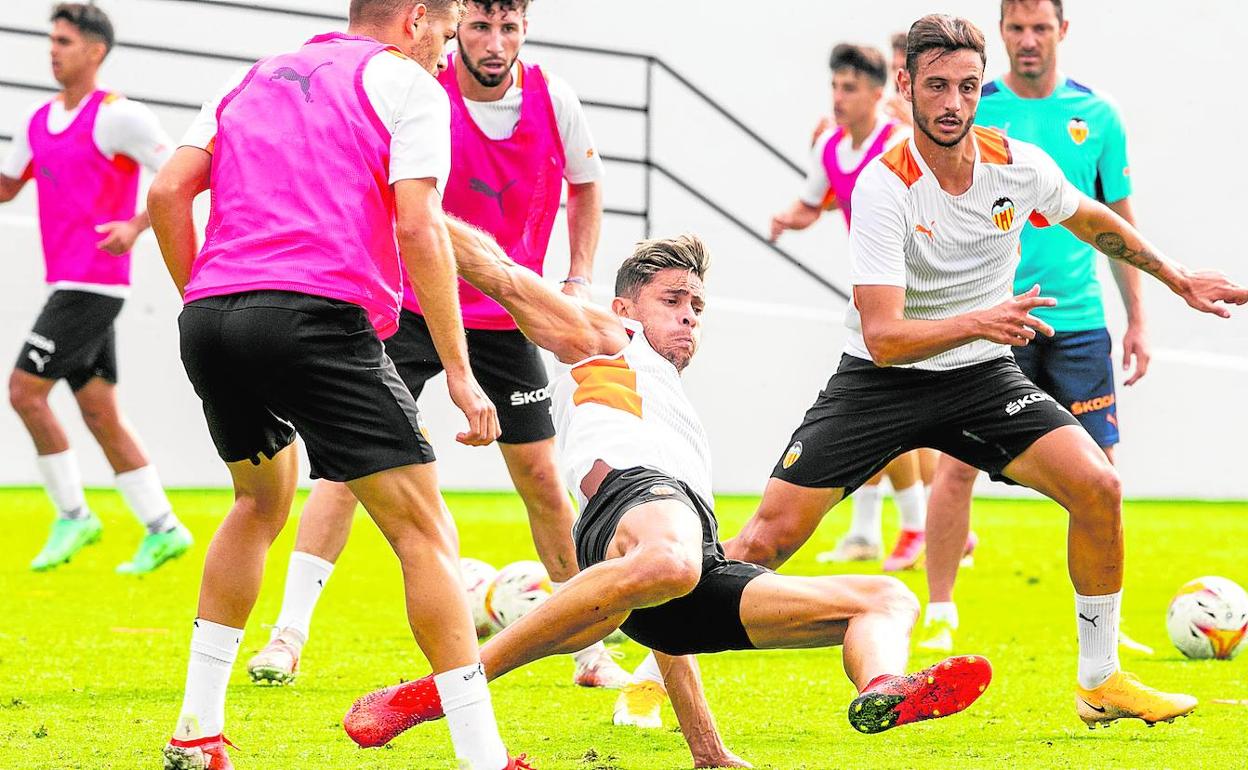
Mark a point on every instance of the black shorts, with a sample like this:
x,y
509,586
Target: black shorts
x,y
73,339
1077,369
263,361
708,619
508,367
985,415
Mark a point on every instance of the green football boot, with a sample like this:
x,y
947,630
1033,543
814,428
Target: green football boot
x,y
68,537
156,549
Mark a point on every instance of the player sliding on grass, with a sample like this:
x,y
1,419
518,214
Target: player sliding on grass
x,y
636,457
934,245
524,136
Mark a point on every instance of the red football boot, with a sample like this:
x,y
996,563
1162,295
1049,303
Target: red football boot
x,y
379,717
520,763
200,754
943,689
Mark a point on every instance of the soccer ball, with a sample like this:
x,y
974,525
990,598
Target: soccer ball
x,y
477,578
515,591
1208,618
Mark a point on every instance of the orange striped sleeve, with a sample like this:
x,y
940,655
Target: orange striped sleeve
x,y
993,146
900,160
609,382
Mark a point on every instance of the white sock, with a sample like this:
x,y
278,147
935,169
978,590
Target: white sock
x,y
474,733
62,479
912,504
306,577
868,509
1097,618
213,650
649,671
941,611
141,490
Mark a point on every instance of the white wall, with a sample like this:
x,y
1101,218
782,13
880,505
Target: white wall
x,y
772,337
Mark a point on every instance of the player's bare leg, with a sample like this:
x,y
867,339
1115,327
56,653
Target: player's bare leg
x,y
233,569
28,395
75,526
136,478
948,530
97,400
409,511
871,617
654,556
535,475
1067,466
324,527
786,518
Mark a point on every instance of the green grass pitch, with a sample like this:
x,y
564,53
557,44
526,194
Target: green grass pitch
x,y
92,663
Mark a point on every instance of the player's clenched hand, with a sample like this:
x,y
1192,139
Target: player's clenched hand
x,y
119,237
779,223
1209,291
1011,322
477,407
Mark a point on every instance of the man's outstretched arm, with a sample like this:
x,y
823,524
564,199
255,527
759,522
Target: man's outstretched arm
x,y
683,682
1205,290
571,329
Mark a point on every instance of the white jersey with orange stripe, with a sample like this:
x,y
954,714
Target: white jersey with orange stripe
x,y
952,254
629,410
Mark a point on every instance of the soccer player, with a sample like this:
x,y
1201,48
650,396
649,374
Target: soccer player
x,y
928,360
636,456
1081,130
326,166
859,135
84,149
517,134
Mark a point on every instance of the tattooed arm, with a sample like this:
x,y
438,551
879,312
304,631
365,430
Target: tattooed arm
x,y
1204,290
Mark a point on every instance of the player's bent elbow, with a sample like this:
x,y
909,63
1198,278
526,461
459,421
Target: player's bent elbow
x,y
167,191
883,351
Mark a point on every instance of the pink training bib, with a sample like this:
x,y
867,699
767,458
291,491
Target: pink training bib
x,y
301,197
509,188
842,181
79,189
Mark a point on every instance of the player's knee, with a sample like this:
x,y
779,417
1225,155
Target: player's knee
x,y
1104,490
958,474
24,399
98,419
896,598
662,573
262,512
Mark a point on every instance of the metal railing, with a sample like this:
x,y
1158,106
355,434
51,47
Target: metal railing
x,y
654,65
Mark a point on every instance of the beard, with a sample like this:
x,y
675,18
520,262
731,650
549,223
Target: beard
x,y
925,125
482,77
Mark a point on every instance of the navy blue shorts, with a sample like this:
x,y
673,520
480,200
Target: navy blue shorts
x,y
1077,369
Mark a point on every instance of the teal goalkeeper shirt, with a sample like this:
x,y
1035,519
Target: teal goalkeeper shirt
x,y
1083,132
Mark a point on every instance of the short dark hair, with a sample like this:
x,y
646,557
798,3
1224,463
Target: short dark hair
x,y
1057,6
489,6
374,12
89,19
863,59
898,41
684,252
943,33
